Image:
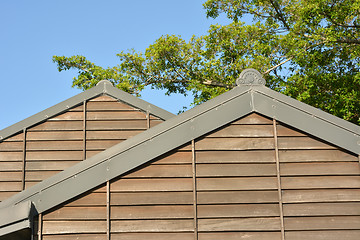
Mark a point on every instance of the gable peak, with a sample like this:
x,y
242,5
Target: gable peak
x,y
104,82
250,76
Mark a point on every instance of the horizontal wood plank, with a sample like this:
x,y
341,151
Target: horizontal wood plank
x,y
184,147
152,225
10,166
80,236
237,197
11,156
54,145
322,223
253,118
323,235
109,135
91,153
320,182
55,135
29,184
49,165
15,138
302,143
240,236
174,158
117,125
101,144
243,131
322,209
78,108
166,184
102,98
107,106
161,171
244,183
238,210
6,195
316,156
235,156
10,186
239,224
233,170
76,213
10,176
88,199
327,168
152,236
115,115
154,122
39,175
151,212
11,146
58,126
68,227
234,143
68,116
54,155
283,131
321,195
153,198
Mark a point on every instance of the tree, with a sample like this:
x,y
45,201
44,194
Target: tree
x,y
307,49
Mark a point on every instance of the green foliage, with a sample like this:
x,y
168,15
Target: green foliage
x,y
307,49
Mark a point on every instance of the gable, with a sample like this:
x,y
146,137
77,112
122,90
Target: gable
x,y
227,184
64,140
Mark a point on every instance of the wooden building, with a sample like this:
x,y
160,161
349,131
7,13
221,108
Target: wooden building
x,y
250,164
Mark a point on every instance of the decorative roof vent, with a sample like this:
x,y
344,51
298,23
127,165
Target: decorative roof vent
x,y
250,76
105,82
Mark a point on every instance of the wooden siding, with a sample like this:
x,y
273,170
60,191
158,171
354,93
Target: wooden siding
x,y
11,166
321,187
66,139
251,179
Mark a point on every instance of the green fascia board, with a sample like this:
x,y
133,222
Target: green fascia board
x,y
103,88
17,231
16,213
180,130
15,220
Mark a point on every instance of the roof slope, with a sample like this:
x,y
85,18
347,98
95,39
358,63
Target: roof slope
x,y
179,130
102,88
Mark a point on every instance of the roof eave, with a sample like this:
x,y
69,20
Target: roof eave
x,y
16,221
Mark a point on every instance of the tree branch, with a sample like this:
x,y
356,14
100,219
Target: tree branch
x,y
216,84
281,17
274,67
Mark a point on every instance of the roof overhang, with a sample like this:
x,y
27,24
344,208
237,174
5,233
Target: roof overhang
x,y
16,221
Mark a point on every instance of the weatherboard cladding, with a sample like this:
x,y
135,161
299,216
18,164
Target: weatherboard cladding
x,y
58,142
104,87
236,191
310,170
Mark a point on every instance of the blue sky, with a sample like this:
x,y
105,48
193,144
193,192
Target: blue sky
x,y
31,32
